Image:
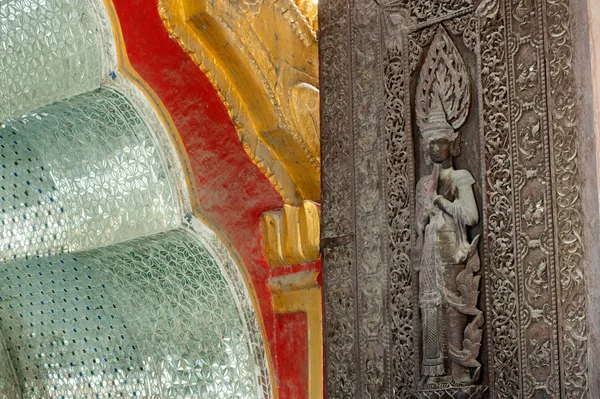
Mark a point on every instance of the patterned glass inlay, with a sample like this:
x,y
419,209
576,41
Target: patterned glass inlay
x,y
9,386
150,318
48,51
80,173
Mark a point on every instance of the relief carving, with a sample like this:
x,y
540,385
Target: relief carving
x,y
446,260
540,353
523,113
429,9
251,7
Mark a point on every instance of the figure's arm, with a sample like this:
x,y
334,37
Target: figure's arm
x,y
422,214
464,205
422,218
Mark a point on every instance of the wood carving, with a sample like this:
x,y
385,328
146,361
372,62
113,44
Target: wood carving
x,y
381,62
445,205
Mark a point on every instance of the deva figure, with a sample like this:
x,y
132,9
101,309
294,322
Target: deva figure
x,y
445,205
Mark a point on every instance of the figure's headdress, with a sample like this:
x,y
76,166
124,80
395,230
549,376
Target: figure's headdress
x,y
443,93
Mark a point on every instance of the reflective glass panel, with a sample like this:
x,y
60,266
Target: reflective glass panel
x,y
81,173
152,318
48,51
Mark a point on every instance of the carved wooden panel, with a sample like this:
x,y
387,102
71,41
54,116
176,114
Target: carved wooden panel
x,y
519,142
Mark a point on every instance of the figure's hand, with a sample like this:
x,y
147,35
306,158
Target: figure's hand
x,y
441,202
428,211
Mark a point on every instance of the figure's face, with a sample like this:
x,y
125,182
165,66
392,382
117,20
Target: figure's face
x,y
439,149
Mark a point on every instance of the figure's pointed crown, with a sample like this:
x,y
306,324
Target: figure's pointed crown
x,y
436,123
443,92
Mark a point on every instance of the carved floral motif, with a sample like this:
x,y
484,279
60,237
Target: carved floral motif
x,y
430,9
398,174
540,353
567,192
339,277
501,284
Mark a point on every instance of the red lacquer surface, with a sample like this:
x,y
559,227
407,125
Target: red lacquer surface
x,y
293,376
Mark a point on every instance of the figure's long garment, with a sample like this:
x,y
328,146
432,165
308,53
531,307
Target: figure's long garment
x,y
447,230
430,300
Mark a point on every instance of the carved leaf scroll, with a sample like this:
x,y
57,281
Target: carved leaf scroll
x,y
488,8
468,286
304,102
444,78
467,357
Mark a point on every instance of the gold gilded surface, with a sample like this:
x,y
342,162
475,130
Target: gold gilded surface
x,y
300,292
291,234
262,58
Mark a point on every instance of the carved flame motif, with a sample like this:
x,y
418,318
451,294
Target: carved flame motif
x,y
468,286
444,78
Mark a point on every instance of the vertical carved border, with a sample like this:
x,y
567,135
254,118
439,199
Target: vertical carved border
x,y
338,224
501,282
400,176
567,198
369,173
534,229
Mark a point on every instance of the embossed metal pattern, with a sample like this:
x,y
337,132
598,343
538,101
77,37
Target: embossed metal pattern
x,y
152,318
81,173
49,51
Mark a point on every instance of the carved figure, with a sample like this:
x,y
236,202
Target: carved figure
x,y
445,206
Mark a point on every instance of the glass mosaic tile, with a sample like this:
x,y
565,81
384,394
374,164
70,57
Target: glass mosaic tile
x,y
151,318
9,386
81,173
48,51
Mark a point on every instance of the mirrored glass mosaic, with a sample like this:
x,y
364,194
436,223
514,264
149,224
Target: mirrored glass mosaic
x,y
48,51
231,269
151,318
9,386
81,173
